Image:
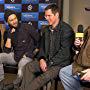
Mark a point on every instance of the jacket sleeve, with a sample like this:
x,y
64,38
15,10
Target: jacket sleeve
x,y
63,55
35,35
41,54
6,50
6,35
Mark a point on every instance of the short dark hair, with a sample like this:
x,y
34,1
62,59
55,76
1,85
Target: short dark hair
x,y
7,13
54,8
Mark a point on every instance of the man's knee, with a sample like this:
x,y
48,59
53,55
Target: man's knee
x,y
29,67
23,62
1,56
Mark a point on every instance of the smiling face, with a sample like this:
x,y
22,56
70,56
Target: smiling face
x,y
51,17
12,20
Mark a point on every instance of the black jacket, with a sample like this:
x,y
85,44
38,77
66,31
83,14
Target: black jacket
x,y
62,45
24,41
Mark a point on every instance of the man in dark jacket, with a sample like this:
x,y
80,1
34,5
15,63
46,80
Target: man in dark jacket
x,y
22,40
55,51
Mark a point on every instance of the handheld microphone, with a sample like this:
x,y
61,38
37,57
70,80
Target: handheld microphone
x,y
80,36
80,33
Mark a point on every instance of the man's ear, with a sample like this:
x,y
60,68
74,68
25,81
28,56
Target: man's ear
x,y
57,14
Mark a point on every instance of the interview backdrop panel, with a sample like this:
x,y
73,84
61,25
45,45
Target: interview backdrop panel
x,y
29,11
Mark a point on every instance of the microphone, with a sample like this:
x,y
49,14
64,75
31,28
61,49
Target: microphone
x,y
80,36
80,33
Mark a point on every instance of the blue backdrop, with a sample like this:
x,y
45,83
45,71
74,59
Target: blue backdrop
x,y
30,11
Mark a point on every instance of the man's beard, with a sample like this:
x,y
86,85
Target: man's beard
x,y
13,26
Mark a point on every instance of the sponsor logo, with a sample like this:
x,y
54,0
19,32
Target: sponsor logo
x,y
1,16
29,7
30,23
30,1
40,23
16,7
42,7
13,1
1,1
29,16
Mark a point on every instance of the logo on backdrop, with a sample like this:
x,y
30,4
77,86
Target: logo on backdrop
x,y
30,1
1,1
40,23
1,17
30,23
47,0
42,7
29,16
29,7
16,7
12,1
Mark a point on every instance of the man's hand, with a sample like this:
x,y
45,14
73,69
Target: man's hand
x,y
8,43
43,65
12,30
86,76
9,33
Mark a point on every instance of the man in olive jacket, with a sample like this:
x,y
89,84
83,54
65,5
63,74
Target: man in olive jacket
x,y
55,51
72,76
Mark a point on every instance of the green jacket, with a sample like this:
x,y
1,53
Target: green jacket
x,y
82,59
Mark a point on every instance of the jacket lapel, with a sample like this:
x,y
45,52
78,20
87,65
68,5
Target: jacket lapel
x,y
47,42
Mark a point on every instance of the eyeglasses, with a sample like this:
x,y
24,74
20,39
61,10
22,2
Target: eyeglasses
x,y
48,16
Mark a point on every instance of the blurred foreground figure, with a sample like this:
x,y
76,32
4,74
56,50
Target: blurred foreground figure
x,y
79,70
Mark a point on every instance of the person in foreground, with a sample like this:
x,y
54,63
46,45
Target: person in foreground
x,y
22,40
55,51
79,70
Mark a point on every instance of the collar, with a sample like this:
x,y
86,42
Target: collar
x,y
57,28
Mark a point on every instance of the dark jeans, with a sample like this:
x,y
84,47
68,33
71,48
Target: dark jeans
x,y
31,79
